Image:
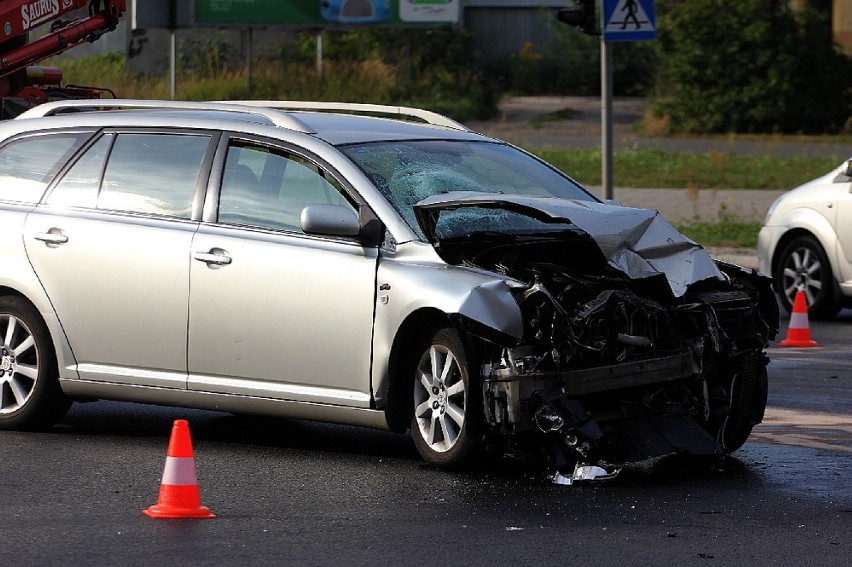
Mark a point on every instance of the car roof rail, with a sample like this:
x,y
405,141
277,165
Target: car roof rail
x,y
275,116
426,116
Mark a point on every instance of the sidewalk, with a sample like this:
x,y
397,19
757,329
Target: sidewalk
x,y
707,205
685,205
702,205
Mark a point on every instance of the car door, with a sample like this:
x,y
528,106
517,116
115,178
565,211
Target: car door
x,y
841,187
274,312
111,243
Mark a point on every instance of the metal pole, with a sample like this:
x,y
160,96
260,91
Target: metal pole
x,y
172,49
606,119
319,53
249,57
172,64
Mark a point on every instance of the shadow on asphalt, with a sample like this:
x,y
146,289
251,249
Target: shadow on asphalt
x,y
126,419
122,419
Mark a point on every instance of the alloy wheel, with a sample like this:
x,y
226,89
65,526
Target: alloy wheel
x,y
18,363
439,398
802,270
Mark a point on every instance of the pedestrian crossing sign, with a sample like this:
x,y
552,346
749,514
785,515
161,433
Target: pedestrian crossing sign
x,y
629,20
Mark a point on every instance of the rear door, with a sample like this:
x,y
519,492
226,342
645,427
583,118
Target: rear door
x,y
274,312
111,244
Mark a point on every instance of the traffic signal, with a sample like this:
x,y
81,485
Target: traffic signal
x,y
582,16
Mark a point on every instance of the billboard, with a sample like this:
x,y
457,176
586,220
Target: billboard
x,y
327,13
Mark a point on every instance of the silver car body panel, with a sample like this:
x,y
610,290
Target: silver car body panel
x,y
285,318
16,274
84,389
414,278
107,259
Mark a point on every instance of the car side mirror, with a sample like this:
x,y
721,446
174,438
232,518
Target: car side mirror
x,y
329,220
845,175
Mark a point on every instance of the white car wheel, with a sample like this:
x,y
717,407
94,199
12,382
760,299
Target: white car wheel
x,y
804,265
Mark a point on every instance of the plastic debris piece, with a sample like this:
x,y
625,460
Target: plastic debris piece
x,y
559,478
583,473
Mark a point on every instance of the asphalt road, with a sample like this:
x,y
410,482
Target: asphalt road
x,y
299,493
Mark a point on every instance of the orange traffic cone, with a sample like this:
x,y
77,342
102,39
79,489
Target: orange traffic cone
x,y
179,494
799,331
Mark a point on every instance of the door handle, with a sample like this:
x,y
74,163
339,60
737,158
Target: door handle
x,y
51,237
215,256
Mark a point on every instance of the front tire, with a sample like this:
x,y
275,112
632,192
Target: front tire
x,y
446,413
749,394
30,396
803,263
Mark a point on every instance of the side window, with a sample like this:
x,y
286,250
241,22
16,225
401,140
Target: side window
x,y
268,188
153,173
27,165
79,187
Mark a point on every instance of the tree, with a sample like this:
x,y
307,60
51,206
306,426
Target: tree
x,y
750,66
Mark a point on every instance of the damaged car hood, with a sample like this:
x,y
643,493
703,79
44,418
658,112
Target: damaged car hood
x,y
640,243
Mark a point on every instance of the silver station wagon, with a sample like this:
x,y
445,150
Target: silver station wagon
x,y
360,264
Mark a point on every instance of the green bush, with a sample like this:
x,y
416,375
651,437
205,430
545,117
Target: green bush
x,y
428,68
423,68
749,66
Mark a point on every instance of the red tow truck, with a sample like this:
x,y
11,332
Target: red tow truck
x,y
23,84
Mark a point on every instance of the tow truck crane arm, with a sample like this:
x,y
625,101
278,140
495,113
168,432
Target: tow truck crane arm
x,y
22,85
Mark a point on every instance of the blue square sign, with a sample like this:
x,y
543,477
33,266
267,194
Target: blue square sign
x,y
628,20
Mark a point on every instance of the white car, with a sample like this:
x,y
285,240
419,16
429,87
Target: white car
x,y
806,243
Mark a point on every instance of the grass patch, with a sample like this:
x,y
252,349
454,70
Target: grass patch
x,y
733,233
563,114
653,168
460,93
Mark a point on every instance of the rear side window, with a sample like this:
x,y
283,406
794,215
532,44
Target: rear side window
x,y
79,186
153,173
28,164
137,173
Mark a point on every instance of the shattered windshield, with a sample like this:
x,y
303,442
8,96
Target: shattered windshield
x,y
408,172
456,223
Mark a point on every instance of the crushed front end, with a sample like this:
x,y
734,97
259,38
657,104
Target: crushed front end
x,y
606,374
635,343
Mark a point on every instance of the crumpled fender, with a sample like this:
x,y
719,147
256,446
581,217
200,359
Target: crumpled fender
x,y
491,304
415,280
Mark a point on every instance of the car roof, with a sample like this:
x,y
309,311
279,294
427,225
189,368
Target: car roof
x,y
333,123
339,129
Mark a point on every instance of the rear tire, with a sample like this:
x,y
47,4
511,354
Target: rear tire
x,y
446,401
30,396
